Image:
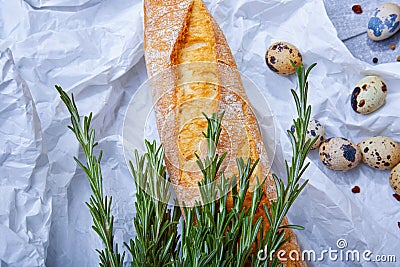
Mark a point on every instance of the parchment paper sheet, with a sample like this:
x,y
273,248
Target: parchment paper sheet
x,y
94,49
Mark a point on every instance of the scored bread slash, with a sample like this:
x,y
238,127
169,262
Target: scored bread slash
x,y
183,43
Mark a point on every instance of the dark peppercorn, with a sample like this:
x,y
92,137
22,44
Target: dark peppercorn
x,y
375,60
357,9
356,190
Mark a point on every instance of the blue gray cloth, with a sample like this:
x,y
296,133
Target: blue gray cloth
x,y
352,30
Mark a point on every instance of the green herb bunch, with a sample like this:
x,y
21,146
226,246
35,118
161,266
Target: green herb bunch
x,y
157,237
211,235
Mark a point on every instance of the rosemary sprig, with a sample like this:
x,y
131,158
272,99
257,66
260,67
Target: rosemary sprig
x,y
202,242
287,194
156,241
212,235
99,205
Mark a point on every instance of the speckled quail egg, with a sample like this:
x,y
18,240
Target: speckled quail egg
x,y
339,154
380,152
368,95
314,129
279,55
384,22
395,179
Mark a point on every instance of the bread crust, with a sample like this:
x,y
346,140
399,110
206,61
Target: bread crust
x,y
179,33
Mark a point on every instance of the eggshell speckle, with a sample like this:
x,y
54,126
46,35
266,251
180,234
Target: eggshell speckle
x,y
368,95
384,22
279,55
339,154
380,152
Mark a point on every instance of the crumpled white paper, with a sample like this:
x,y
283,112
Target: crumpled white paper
x,y
94,50
25,205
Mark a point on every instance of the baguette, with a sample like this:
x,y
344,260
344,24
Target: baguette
x,y
183,46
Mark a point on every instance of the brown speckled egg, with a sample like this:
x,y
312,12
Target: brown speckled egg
x,y
314,129
339,154
368,95
395,179
380,152
279,55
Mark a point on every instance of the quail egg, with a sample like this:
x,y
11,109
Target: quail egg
x,y
368,95
314,129
380,152
395,179
279,55
384,22
339,154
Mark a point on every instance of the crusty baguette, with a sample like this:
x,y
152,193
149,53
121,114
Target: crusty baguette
x,y
179,32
